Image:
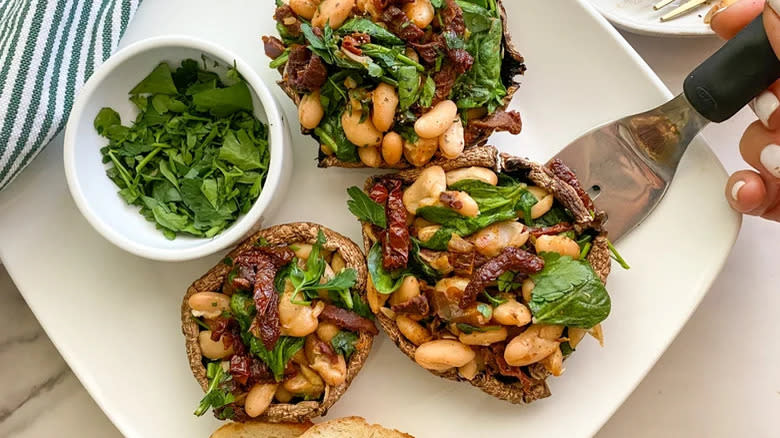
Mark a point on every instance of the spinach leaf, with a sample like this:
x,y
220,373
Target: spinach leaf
x,y
568,292
384,282
419,267
469,329
525,204
428,91
408,86
159,81
276,359
556,215
216,395
242,307
493,300
365,208
506,282
482,86
240,150
106,119
344,343
330,132
222,102
377,33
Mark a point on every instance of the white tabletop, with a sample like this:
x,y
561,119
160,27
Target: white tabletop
x,y
720,378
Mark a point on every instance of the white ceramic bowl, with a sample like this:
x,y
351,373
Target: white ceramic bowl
x,y
96,195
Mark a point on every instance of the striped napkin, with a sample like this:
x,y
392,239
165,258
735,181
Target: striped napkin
x,y
48,49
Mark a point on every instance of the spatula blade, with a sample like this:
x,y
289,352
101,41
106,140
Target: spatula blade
x,y
620,181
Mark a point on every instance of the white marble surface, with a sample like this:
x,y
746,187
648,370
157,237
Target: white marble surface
x,y
720,378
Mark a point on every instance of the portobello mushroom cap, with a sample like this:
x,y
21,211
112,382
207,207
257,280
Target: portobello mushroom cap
x,y
513,65
213,281
599,258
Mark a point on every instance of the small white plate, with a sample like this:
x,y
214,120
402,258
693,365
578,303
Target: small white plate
x,y
115,317
638,16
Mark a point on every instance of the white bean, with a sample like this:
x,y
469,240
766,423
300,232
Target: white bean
x,y
333,12
304,8
469,371
512,313
490,241
310,110
484,338
443,354
561,244
410,288
477,173
436,121
425,190
533,345
385,100
209,305
418,154
462,203
259,398
412,330
327,331
544,202
392,148
297,320
370,156
213,349
361,133
421,12
452,142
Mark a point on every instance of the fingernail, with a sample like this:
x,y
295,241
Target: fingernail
x,y
736,188
774,4
765,105
770,159
717,9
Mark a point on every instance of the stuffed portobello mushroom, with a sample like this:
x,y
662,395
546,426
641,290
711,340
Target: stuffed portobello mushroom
x,y
485,269
394,83
278,330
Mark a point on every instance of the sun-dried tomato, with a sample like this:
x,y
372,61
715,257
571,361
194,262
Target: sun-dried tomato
x,y
287,18
462,262
305,71
507,370
562,171
450,200
353,42
510,259
273,46
239,368
551,230
379,193
266,261
396,240
400,24
416,306
347,319
452,17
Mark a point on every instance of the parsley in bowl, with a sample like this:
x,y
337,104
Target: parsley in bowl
x,y
175,149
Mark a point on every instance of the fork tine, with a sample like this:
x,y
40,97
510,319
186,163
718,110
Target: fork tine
x,y
687,7
662,4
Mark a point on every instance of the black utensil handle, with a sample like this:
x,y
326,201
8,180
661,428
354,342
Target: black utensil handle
x,y
727,81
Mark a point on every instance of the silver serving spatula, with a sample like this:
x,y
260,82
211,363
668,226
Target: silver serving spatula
x,y
628,164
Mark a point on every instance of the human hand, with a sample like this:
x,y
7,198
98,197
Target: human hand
x,y
756,192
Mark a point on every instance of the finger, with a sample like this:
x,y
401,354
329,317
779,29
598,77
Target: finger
x,y
728,17
760,148
746,192
766,106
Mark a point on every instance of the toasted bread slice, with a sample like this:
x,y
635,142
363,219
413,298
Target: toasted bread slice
x,y
261,430
352,427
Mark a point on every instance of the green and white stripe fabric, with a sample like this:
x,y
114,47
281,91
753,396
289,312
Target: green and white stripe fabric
x,y
48,49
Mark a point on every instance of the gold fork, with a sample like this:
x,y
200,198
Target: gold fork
x,y
680,10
